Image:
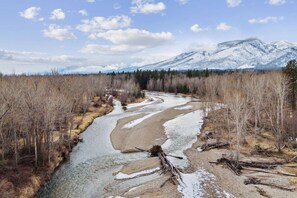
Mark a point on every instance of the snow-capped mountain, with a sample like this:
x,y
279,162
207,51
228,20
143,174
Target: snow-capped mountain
x,y
239,54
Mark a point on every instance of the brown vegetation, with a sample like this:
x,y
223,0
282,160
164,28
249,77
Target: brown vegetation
x,y
40,120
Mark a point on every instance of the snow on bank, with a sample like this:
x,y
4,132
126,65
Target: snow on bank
x,y
120,175
144,103
138,121
194,185
184,107
182,133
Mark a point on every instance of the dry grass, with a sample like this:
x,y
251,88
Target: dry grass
x,y
293,181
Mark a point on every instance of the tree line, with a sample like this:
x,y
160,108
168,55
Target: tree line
x,y
33,109
265,100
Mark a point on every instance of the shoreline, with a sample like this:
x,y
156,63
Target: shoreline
x,y
38,178
224,180
151,130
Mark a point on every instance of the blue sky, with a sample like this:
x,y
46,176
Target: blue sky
x,y
38,35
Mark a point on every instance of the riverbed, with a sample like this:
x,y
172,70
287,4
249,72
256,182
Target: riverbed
x,y
93,164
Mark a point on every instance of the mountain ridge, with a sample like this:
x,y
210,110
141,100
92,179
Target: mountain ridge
x,y
251,53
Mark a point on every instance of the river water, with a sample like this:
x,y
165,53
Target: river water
x,y
89,171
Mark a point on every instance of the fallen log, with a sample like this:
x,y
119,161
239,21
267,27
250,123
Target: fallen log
x,y
167,166
155,152
231,164
278,172
237,166
263,165
207,147
291,160
257,181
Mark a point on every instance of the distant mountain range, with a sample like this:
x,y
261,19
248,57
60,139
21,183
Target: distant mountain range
x,y
240,54
250,53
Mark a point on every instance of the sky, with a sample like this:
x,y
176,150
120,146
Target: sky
x,y
92,35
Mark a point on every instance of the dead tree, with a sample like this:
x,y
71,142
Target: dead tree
x,y
167,166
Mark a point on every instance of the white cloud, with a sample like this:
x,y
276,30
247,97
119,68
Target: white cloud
x,y
197,28
266,20
30,13
233,3
98,24
125,41
276,2
147,6
83,12
136,37
224,27
58,32
183,2
57,14
24,61
91,1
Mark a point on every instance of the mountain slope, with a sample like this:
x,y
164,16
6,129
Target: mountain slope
x,y
239,54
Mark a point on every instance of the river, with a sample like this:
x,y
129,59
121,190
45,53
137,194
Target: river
x,y
89,171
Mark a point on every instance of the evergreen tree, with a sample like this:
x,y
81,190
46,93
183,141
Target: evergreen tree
x,y
291,71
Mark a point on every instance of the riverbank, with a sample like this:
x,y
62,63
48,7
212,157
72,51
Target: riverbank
x,y
145,129
25,181
215,179
234,184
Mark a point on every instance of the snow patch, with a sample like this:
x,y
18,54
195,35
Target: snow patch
x,y
182,133
138,121
121,175
144,103
193,184
184,107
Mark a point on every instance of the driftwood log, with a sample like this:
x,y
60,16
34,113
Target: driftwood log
x,y
207,147
167,166
236,167
257,181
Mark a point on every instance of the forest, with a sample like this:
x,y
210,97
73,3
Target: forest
x,y
36,109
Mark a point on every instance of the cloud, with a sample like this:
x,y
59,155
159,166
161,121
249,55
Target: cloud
x,y
224,27
24,61
91,1
126,41
98,24
83,12
136,37
266,20
233,3
276,2
147,6
183,2
57,32
36,57
30,13
57,14
197,28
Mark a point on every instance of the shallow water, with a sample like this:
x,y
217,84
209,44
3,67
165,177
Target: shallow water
x,y
89,172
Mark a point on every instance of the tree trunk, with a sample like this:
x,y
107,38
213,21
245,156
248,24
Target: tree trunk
x,y
16,153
